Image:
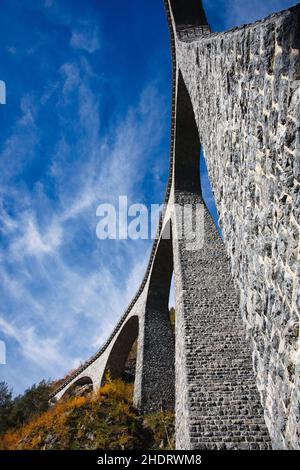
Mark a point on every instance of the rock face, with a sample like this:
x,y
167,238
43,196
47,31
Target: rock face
x,y
244,86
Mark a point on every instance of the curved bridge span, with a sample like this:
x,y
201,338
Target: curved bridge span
x,y
231,371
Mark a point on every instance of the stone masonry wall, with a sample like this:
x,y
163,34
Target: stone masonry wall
x,y
218,405
244,87
217,401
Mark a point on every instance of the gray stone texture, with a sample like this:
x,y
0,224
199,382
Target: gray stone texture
x,y
244,88
217,401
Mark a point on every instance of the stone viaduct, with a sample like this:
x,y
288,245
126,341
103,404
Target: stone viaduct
x,y
233,370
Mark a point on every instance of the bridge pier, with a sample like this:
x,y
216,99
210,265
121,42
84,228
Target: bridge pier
x,y
158,369
217,402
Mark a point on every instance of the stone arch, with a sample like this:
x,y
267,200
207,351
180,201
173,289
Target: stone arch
x,y
189,154
158,372
122,346
188,13
187,143
84,380
161,274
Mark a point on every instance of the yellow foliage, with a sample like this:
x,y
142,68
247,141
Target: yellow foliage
x,y
56,417
106,420
115,388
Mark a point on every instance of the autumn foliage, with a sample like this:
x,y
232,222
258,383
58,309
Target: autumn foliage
x,y
105,420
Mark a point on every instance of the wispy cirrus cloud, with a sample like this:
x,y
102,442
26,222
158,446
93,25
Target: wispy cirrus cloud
x,y
57,279
37,349
85,38
20,146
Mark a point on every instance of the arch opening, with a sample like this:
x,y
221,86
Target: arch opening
x,y
159,342
188,13
81,387
161,276
121,363
172,304
191,173
207,193
187,143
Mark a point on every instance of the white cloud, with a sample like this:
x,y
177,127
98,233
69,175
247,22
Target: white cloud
x,y
71,306
42,351
85,38
32,242
70,74
20,146
7,223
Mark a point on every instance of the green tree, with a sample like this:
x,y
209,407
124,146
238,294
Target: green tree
x,y
34,401
6,405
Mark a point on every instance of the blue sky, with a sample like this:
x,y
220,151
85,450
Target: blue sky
x,y
86,120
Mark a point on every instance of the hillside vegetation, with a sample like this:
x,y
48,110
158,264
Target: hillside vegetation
x,y
103,420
